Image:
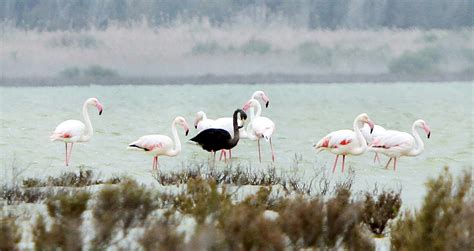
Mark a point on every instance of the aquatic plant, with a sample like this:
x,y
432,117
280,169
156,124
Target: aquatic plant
x,y
445,221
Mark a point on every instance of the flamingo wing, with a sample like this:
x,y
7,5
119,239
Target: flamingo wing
x,y
369,137
393,141
69,130
153,143
336,139
263,127
205,124
212,139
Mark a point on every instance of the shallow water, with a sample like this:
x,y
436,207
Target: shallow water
x,y
303,113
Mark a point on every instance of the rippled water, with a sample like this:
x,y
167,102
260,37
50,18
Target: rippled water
x,y
303,113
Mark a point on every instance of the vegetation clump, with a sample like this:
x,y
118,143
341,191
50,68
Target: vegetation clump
x,y
379,209
10,234
69,179
445,220
65,211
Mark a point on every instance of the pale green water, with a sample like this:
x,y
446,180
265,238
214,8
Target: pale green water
x,y
302,113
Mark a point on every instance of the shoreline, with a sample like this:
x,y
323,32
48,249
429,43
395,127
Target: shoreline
x,y
267,78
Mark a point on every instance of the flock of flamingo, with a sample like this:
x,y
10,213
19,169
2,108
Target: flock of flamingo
x,y
223,134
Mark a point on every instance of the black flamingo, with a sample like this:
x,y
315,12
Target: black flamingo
x,y
215,139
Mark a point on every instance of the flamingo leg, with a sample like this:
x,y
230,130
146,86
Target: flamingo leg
x,y
386,166
343,160
335,163
230,154
394,164
259,154
222,153
65,159
225,156
378,157
153,165
271,147
70,153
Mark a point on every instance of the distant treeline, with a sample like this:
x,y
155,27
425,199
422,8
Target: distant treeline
x,y
312,14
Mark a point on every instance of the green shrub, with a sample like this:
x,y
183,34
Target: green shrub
x,y
445,220
314,53
377,212
71,72
209,47
97,71
255,46
76,40
419,62
120,208
10,234
66,213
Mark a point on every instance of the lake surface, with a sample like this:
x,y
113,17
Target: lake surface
x,y
303,113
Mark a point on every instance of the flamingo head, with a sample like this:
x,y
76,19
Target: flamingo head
x,y
261,95
182,122
243,116
421,123
199,116
364,118
250,103
95,102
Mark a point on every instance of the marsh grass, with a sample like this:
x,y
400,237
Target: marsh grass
x,y
69,179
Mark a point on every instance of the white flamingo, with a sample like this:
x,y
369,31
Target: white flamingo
x,y
259,127
72,131
346,142
369,137
157,145
201,122
395,144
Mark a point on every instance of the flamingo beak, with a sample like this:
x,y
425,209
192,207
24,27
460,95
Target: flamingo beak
x,y
371,125
186,133
100,108
186,129
246,107
267,100
427,130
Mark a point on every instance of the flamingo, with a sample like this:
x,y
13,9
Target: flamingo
x,y
72,131
259,127
346,142
369,137
395,144
158,145
215,139
201,121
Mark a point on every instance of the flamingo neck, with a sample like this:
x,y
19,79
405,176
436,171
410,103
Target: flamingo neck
x,y
177,142
89,130
257,112
420,146
360,138
235,124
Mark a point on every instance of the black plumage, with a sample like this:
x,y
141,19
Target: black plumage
x,y
215,139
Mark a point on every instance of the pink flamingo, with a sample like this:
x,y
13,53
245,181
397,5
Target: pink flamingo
x,y
72,131
259,127
395,144
157,145
346,142
369,137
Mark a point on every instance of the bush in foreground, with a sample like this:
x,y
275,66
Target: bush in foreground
x,y
445,220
